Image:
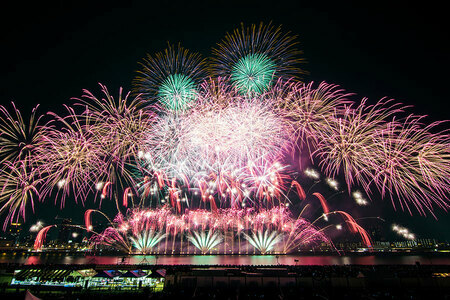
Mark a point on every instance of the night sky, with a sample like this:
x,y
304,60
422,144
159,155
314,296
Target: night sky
x,y
51,52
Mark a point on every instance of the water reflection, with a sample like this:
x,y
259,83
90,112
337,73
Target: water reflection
x,y
227,260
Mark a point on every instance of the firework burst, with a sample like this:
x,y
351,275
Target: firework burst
x,y
145,241
255,57
19,183
349,144
236,147
308,109
69,159
403,231
412,163
264,241
224,230
205,241
117,127
19,139
171,77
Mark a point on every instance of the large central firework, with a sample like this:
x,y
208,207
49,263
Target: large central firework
x,y
204,156
215,138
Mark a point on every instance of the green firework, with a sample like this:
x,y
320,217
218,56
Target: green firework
x,y
205,242
263,241
253,73
145,241
177,91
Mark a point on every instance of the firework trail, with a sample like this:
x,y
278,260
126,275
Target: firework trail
x,y
323,202
40,238
88,218
300,192
355,227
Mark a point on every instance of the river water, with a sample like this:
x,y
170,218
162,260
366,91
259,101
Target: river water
x,y
378,259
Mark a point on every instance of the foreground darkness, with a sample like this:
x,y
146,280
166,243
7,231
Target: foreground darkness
x,y
276,282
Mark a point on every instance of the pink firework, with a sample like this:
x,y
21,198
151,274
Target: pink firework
x,y
226,151
307,109
323,202
162,231
348,146
19,188
214,138
40,238
118,124
412,163
69,159
355,227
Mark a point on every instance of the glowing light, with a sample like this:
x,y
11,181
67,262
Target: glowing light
x,y
357,195
312,174
403,231
332,183
61,183
99,186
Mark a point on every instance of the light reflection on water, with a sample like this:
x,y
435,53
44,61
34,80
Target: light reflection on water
x,y
228,259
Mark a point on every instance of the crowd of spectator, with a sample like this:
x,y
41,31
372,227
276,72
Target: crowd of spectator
x,y
321,274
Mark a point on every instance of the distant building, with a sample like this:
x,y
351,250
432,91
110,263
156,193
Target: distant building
x,y
65,231
76,235
6,244
13,232
375,232
419,244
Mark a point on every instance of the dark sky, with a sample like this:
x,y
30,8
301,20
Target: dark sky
x,y
50,52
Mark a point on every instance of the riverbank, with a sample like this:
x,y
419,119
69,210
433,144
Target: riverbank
x,y
435,258
251,282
